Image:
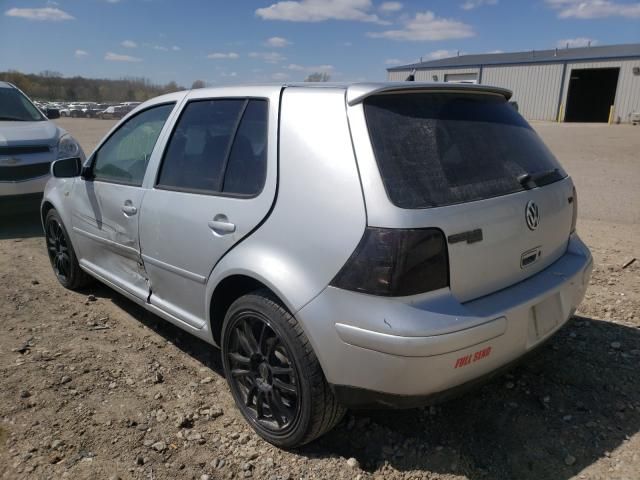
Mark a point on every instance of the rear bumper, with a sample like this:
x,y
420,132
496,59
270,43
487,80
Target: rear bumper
x,y
424,346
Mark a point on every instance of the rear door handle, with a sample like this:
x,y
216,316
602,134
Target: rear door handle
x,y
221,225
128,208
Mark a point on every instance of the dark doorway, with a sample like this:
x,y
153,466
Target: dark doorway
x,y
592,91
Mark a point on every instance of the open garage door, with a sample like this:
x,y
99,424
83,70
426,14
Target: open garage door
x,y
592,91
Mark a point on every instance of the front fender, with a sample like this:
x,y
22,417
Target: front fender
x,y
58,194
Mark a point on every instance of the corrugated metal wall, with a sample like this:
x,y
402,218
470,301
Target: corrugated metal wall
x,y
427,75
536,88
628,91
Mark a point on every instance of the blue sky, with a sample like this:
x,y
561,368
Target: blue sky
x,y
224,42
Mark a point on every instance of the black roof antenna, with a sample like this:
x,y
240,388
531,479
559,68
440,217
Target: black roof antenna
x,y
411,77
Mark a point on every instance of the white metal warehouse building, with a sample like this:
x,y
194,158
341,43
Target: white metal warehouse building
x,y
570,84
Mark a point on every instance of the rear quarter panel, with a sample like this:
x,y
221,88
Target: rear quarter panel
x,y
318,216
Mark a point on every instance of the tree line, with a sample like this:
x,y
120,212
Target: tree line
x,y
53,86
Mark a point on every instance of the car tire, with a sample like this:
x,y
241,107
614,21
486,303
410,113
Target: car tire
x,y
62,255
274,374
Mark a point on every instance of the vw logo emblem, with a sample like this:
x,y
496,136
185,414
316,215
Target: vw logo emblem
x,y
532,215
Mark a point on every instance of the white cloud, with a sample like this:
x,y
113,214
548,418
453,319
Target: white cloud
x,y
279,76
309,68
116,57
438,54
176,48
425,26
295,67
129,44
390,7
588,9
277,42
471,4
394,61
268,57
81,53
47,14
160,48
223,56
576,42
319,11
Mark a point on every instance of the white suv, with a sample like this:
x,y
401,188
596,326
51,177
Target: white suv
x,y
344,245
29,142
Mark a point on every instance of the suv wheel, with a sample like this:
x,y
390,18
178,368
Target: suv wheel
x,y
273,373
61,254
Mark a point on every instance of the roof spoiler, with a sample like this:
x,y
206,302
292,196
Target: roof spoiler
x,y
358,92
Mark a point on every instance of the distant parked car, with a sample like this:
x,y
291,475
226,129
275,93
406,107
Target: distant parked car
x,y
29,142
73,111
114,112
92,110
49,110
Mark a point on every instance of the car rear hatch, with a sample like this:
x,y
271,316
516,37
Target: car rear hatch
x,y
462,160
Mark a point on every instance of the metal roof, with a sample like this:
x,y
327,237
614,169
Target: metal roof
x,y
604,52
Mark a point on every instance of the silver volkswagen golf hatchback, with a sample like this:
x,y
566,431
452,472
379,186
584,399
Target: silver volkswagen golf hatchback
x,y
343,245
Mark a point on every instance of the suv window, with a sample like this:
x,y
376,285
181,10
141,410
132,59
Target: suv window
x,y
15,106
436,149
218,146
124,156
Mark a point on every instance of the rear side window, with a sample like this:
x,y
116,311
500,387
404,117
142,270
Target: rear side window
x,y
436,149
217,146
247,165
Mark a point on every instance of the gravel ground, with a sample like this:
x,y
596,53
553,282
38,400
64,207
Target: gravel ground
x,y
95,387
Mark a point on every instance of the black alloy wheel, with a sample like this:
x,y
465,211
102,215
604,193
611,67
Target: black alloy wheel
x,y
61,254
273,373
262,373
58,250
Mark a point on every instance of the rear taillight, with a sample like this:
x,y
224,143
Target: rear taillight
x,y
395,262
574,205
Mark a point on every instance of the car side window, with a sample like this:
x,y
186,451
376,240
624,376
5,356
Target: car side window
x,y
247,165
196,153
217,146
124,156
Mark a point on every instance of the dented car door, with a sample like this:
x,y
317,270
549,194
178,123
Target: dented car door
x,y
107,200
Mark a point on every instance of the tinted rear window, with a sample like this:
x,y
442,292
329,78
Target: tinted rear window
x,y
436,149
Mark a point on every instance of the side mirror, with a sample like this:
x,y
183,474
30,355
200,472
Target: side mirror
x,y
66,168
53,113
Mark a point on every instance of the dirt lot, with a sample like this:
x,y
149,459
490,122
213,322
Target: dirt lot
x,y
94,387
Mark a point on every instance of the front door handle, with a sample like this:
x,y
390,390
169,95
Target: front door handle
x,y
221,225
128,208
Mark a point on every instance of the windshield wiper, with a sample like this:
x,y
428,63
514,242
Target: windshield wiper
x,y
16,119
526,179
